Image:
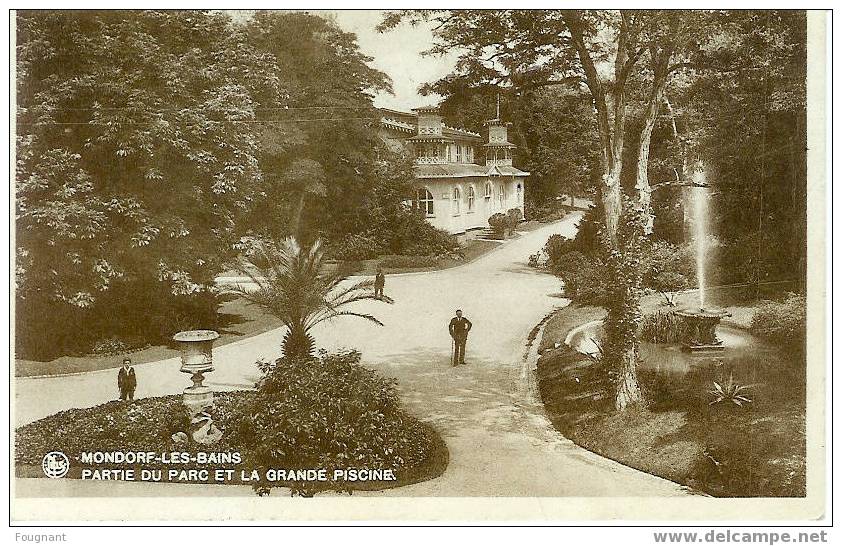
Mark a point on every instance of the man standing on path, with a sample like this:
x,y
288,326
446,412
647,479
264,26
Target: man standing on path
x,y
379,283
459,328
126,380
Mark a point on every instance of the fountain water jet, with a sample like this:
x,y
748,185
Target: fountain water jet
x,y
700,331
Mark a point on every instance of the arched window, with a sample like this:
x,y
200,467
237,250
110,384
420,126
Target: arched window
x,y
488,193
457,200
425,201
501,196
519,194
470,199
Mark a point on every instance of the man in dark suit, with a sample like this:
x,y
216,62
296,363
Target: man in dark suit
x,y
379,283
126,380
459,328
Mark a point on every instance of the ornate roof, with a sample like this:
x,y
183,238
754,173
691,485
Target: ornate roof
x,y
466,170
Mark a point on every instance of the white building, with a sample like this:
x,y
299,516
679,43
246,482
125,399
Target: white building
x,y
455,191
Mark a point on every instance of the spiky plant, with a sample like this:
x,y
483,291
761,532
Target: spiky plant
x,y
729,391
295,285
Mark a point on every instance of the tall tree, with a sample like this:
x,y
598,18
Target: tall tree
x,y
136,151
599,50
320,144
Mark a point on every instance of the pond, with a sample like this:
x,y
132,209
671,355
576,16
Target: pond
x,y
761,367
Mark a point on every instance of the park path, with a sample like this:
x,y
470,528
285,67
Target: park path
x,y
500,441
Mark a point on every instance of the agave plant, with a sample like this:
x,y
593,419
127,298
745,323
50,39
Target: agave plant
x,y
295,285
729,391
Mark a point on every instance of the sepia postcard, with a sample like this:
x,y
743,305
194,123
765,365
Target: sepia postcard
x,y
440,265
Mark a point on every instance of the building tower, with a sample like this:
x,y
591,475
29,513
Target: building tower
x,y
498,150
430,143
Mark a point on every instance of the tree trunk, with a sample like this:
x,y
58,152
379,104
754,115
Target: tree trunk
x,y
612,204
660,60
628,389
295,226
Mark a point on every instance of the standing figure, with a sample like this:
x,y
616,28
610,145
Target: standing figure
x,y
379,283
459,328
126,380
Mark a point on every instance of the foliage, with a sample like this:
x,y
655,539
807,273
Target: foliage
x,y
115,346
583,277
113,426
499,224
328,413
121,175
355,247
783,322
513,217
296,286
580,262
667,267
332,413
662,327
320,152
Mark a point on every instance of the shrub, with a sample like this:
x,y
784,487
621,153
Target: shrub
x,y
782,322
499,224
328,413
115,346
513,217
411,234
555,247
355,248
407,262
135,312
583,277
667,267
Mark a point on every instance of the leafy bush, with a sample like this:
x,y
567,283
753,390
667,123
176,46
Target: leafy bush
x,y
115,346
114,426
328,413
407,262
135,313
667,267
499,224
411,234
355,247
583,277
782,322
513,217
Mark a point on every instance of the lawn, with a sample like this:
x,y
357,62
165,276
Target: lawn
x,y
238,318
722,449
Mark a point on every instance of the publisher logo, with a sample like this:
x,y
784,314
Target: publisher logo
x,y
55,464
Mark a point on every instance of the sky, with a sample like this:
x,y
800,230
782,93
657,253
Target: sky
x,y
397,53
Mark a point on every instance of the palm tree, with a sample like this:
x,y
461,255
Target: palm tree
x,y
295,285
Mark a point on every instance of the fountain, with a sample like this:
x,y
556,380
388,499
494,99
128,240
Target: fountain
x,y
700,331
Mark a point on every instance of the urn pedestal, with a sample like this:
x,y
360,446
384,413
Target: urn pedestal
x,y
197,359
700,329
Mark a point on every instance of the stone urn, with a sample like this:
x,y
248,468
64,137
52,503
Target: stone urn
x,y
196,348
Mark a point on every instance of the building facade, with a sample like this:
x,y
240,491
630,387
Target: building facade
x,y
460,180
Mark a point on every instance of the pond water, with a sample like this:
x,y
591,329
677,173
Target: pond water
x,y
752,361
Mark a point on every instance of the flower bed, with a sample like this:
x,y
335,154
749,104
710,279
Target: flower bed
x,y
336,415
